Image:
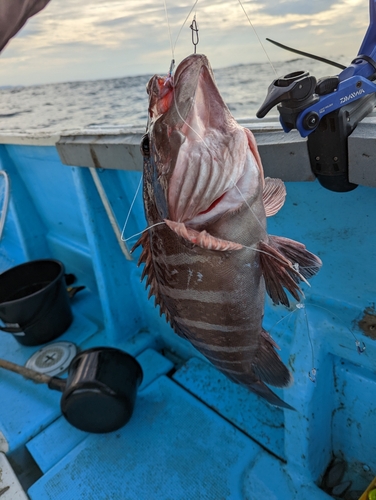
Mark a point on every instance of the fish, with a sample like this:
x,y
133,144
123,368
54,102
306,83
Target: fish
x,y
207,255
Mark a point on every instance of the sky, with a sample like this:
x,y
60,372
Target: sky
x,y
73,40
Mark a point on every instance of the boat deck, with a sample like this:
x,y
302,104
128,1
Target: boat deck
x,y
193,434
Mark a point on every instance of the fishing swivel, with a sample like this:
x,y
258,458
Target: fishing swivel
x,y
195,38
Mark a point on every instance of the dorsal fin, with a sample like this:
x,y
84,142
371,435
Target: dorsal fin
x,y
146,258
151,281
273,196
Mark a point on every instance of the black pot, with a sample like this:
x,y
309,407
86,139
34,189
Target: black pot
x,y
100,391
34,302
101,388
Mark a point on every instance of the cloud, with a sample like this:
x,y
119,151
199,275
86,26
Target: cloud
x,y
71,40
283,7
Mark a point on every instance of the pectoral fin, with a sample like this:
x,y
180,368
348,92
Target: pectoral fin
x,y
273,196
306,262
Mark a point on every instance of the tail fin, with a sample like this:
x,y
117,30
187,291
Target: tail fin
x,y
259,388
263,390
267,368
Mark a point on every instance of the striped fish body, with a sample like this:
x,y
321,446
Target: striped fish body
x,y
213,298
209,259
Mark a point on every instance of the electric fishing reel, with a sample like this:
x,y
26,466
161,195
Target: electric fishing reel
x,y
326,111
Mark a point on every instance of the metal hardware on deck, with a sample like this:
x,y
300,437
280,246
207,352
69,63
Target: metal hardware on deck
x,y
52,359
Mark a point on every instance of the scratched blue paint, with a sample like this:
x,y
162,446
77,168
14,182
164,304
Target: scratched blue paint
x,y
26,408
162,453
259,420
55,212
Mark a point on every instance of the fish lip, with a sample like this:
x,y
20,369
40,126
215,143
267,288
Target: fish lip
x,y
199,60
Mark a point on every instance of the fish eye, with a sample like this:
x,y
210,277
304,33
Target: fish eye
x,y
145,148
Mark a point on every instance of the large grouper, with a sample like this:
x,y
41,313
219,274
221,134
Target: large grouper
x,y
208,257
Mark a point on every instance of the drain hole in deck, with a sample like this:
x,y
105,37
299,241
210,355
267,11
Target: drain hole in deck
x,y
353,464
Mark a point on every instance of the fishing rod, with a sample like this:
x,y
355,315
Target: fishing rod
x,y
307,54
327,110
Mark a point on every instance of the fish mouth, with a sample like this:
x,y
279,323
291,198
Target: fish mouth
x,y
214,170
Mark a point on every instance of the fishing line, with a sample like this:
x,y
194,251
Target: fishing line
x,y
282,319
202,140
170,74
262,45
299,306
185,20
130,210
360,346
249,206
312,373
144,230
169,30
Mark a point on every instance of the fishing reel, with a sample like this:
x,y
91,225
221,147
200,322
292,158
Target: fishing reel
x,y
326,111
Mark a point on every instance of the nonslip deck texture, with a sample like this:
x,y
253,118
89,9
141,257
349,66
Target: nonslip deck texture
x,y
162,453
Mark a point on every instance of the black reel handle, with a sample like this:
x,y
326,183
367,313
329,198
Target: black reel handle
x,y
293,92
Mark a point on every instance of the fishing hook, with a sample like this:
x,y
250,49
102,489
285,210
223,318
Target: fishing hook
x,y
194,28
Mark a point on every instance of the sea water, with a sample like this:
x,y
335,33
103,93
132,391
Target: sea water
x,y
123,101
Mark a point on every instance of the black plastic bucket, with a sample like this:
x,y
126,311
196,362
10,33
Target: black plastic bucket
x,y
34,302
100,391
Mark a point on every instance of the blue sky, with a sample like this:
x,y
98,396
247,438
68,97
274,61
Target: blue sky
x,y
72,40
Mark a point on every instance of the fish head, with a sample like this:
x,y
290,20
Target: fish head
x,y
205,163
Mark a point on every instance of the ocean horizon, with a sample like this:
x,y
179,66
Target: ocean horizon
x,y
123,102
